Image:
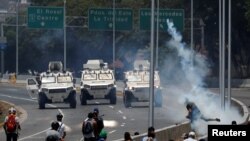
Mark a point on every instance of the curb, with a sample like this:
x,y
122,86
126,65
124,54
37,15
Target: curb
x,y
22,117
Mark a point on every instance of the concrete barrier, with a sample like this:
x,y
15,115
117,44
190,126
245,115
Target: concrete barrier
x,y
243,110
164,134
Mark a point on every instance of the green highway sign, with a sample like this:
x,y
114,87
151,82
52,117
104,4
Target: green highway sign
x,y
45,17
102,19
175,15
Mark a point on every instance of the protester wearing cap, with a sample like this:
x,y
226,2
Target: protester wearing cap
x,y
96,110
191,136
61,128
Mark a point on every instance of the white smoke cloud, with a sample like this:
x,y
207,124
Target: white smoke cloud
x,y
186,69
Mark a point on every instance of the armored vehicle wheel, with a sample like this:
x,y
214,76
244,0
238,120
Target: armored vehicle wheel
x,y
127,99
41,101
83,97
112,95
72,99
158,98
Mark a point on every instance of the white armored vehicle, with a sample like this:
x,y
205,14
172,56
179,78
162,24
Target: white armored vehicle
x,y
137,85
53,86
97,82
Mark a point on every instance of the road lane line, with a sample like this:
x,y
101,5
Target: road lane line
x,y
5,95
26,99
33,135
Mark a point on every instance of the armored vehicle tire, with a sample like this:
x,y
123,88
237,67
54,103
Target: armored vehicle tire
x,y
127,99
83,97
41,101
72,99
158,98
112,95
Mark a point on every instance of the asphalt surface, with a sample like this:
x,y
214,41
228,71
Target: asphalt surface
x,y
117,118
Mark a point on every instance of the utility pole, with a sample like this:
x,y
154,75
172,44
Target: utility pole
x,y
114,35
157,36
192,33
151,93
229,55
2,52
64,35
17,9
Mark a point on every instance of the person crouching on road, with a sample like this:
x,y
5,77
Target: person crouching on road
x,y
11,125
53,134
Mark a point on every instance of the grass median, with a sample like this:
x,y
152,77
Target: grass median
x,y
4,108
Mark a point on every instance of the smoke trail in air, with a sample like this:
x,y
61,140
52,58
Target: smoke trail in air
x,y
185,70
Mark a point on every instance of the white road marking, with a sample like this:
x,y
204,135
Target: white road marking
x,y
124,117
110,123
112,107
33,135
123,124
112,131
26,99
120,111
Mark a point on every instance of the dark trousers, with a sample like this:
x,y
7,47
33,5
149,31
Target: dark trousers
x,y
11,136
90,139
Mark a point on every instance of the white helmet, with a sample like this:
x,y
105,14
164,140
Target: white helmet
x,y
12,110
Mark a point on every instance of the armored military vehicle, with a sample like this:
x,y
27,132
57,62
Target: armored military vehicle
x,y
53,86
97,82
137,85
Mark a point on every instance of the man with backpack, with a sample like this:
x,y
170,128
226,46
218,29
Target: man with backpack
x,y
11,125
99,120
89,128
61,128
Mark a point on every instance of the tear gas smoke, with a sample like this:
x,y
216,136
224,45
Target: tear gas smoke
x,y
185,70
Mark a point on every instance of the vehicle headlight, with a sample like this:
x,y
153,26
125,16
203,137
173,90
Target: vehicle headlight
x,y
86,86
45,90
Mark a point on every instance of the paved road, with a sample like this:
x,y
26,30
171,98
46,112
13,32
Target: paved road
x,y
117,118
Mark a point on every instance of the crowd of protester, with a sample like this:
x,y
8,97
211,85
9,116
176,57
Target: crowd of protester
x,y
93,128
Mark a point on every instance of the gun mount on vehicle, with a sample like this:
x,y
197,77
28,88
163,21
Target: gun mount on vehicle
x,y
137,85
53,86
97,82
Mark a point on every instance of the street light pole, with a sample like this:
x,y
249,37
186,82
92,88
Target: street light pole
x,y
229,54
114,35
2,53
64,35
157,36
151,93
17,9
192,22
